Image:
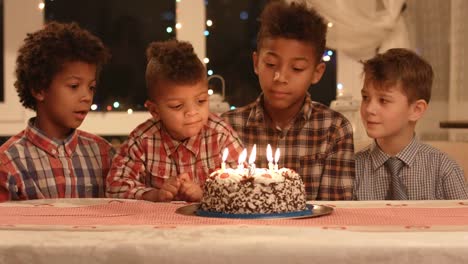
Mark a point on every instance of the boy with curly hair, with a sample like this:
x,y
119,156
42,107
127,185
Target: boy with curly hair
x,y
169,156
397,166
314,140
56,71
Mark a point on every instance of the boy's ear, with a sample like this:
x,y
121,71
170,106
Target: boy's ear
x,y
152,108
38,94
255,61
418,109
318,72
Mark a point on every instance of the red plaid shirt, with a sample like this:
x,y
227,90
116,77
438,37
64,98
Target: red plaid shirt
x,y
33,166
150,156
318,145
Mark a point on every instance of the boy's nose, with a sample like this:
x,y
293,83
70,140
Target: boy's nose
x,y
280,76
370,107
87,95
191,111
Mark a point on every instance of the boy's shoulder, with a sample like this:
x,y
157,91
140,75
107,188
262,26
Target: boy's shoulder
x,y
240,111
14,143
87,138
218,124
148,128
321,111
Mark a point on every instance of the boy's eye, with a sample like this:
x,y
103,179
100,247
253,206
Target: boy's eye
x,y
365,97
202,101
176,107
298,69
383,100
74,86
270,65
92,88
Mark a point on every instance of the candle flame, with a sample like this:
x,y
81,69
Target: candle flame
x,y
277,155
242,157
253,154
225,154
269,153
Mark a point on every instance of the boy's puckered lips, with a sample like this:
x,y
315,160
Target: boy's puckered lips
x,y
81,114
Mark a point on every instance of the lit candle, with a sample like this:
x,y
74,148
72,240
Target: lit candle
x,y
277,156
225,154
270,157
241,160
252,157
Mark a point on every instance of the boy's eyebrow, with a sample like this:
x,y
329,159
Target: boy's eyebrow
x,y
271,53
176,98
77,77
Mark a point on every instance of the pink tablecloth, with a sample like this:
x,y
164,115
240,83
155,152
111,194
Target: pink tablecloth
x,y
140,213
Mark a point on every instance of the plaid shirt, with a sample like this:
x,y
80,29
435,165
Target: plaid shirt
x,y
33,166
428,174
318,145
150,156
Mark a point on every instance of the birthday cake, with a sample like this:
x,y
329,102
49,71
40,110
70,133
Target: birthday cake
x,y
261,191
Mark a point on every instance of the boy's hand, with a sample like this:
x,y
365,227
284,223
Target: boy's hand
x,y
167,192
189,191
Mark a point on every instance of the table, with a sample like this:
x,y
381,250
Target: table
x,y
454,124
128,231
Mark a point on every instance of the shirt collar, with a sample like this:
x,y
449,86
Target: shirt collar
x,y
50,145
172,145
257,114
379,157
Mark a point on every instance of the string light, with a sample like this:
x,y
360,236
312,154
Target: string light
x,y
340,89
206,33
130,111
329,53
330,24
210,91
169,29
41,5
209,23
210,72
206,60
232,107
326,58
94,107
109,108
116,104
244,15
178,25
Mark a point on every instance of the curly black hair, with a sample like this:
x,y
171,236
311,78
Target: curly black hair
x,y
294,20
45,51
172,61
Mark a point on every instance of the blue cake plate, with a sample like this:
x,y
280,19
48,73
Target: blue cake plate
x,y
311,211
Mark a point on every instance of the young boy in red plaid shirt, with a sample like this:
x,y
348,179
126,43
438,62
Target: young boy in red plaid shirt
x,y
170,156
56,72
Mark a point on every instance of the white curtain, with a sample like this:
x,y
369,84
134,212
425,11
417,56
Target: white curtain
x,y
362,28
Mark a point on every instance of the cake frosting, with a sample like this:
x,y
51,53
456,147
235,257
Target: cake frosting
x,y
261,191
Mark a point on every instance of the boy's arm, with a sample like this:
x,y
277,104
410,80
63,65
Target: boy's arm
x,y
454,183
339,167
127,172
4,191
